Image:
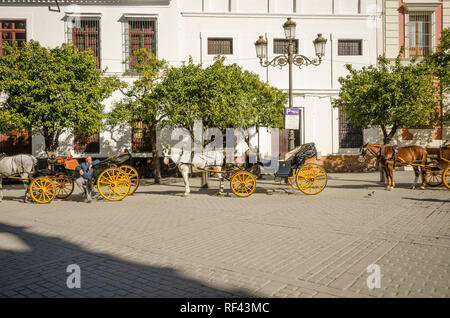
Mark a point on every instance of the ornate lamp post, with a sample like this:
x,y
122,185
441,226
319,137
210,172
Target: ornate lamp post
x,y
290,58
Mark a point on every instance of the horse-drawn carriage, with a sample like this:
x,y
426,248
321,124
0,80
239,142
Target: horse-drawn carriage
x,y
308,178
113,179
438,170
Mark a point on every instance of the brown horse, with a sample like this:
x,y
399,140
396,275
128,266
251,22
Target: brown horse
x,y
392,156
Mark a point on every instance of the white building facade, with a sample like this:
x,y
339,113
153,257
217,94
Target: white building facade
x,y
177,29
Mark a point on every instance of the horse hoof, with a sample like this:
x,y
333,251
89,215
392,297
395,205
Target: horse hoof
x,y
413,188
219,194
422,188
186,195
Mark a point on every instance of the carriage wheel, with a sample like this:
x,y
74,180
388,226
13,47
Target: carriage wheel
x,y
133,175
311,179
433,177
42,190
64,186
293,179
243,184
446,177
113,184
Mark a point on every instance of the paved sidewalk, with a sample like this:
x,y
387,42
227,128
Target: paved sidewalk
x,y
276,243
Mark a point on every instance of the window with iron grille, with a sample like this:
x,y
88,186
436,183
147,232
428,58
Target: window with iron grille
x,y
84,33
87,144
349,47
349,136
139,34
12,31
141,139
420,33
221,46
280,46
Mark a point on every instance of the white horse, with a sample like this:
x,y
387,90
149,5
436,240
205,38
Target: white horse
x,y
212,160
20,165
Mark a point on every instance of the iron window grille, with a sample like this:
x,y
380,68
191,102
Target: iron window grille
x,y
138,33
141,139
13,32
350,47
349,136
280,46
420,33
222,46
87,144
84,33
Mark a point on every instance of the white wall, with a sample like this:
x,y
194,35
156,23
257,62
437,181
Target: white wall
x,y
183,30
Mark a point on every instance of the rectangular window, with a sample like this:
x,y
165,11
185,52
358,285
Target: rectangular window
x,y
87,144
140,137
280,46
221,46
85,35
420,33
350,47
349,136
12,31
139,34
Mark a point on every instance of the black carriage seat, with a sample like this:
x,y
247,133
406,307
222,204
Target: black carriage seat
x,y
295,159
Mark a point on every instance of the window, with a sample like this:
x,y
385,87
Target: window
x,y
349,136
420,33
87,144
12,31
141,137
85,34
220,46
280,46
139,34
349,47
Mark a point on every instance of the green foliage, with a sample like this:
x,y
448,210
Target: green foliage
x,y
50,91
220,96
390,95
440,60
140,102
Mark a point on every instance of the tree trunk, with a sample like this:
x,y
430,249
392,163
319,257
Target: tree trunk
x,y
51,143
156,166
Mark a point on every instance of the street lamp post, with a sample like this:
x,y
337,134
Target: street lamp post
x,y
290,58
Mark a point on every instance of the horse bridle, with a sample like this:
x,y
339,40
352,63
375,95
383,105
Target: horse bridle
x,y
364,152
171,165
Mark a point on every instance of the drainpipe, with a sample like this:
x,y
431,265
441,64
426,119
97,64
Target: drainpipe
x,y
331,60
201,50
267,58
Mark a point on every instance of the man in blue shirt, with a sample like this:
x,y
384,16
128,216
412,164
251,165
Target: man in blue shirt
x,y
85,169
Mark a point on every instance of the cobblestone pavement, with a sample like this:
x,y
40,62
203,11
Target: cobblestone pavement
x,y
276,243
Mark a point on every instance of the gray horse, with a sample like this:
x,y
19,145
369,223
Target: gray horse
x,y
20,165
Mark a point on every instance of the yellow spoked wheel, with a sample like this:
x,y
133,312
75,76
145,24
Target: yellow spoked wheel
x,y
433,177
243,184
133,175
293,179
311,179
446,177
113,184
64,186
42,190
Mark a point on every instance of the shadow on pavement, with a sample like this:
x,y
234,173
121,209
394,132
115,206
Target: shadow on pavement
x,y
426,199
37,268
